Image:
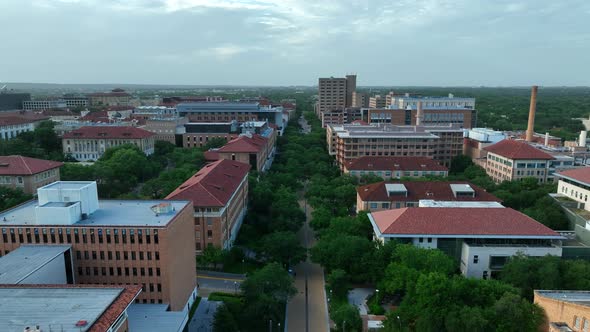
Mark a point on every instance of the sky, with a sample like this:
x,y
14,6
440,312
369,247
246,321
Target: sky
x,y
293,42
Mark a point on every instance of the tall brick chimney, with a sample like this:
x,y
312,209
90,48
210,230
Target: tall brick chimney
x,y
530,130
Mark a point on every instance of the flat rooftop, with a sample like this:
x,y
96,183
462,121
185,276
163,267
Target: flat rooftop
x,y
577,297
109,213
53,309
68,185
26,259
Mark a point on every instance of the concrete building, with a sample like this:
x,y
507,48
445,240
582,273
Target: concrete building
x,y
477,139
66,308
219,193
335,93
198,134
348,142
165,128
75,101
12,100
14,123
27,174
145,242
89,143
510,160
481,239
575,185
394,167
395,195
48,104
565,310
377,101
116,97
150,112
341,116
360,99
253,149
38,264
432,116
230,111
403,101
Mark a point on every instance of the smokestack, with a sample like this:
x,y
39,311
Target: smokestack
x,y
419,114
582,141
532,109
546,139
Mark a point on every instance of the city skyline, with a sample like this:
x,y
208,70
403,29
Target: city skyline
x,y
288,42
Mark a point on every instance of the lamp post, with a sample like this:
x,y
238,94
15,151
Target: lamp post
x,y
243,266
235,287
280,327
270,325
400,323
344,326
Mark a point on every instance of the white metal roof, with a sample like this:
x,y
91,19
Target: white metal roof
x,y
20,263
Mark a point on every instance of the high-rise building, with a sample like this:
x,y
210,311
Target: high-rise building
x,y
377,101
360,99
335,93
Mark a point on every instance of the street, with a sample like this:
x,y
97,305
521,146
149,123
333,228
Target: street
x,y
308,310
210,281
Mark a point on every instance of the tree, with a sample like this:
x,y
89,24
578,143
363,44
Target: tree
x,y
214,143
347,318
338,283
224,319
211,256
272,281
524,316
459,164
11,197
282,247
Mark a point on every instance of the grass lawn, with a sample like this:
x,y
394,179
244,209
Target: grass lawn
x,y
225,297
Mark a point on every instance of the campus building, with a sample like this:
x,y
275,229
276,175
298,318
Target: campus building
x,y
165,128
510,160
565,310
27,174
223,112
348,142
403,101
47,104
481,239
113,242
395,195
575,185
89,143
335,93
253,149
116,97
219,193
12,100
476,140
198,134
432,116
14,123
394,167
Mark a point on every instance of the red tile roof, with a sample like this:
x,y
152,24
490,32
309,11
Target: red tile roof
x,y
371,163
213,185
19,165
581,174
244,143
459,221
417,190
16,119
211,155
102,132
515,150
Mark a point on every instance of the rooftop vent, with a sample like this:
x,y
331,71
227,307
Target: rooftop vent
x,y
81,323
162,208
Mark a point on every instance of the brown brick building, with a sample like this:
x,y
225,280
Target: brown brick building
x,y
253,149
510,160
27,174
219,193
335,93
564,310
117,97
463,117
114,242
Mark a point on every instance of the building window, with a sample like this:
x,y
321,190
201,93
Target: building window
x,y
141,255
209,233
577,322
485,275
421,240
429,240
373,205
475,259
157,253
157,272
135,272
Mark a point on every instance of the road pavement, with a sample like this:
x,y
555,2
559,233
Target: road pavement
x,y
218,282
308,310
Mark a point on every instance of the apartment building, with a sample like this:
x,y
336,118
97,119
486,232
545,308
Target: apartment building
x,y
14,123
116,97
90,143
223,112
510,160
335,93
394,167
348,142
480,239
564,310
27,174
360,99
395,195
119,242
377,101
252,149
219,193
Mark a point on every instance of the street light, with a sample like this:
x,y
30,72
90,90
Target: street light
x,y
400,323
280,327
235,287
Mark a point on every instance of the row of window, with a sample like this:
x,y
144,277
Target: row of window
x,y
574,193
399,173
84,236
387,205
127,255
120,272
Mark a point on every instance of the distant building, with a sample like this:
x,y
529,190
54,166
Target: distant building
x,y
395,195
14,123
394,167
27,174
12,100
252,149
360,99
116,97
75,101
575,184
403,101
477,139
348,142
510,160
377,101
66,307
335,93
341,116
219,193
481,239
230,111
48,104
198,134
432,116
565,310
124,242
165,128
89,143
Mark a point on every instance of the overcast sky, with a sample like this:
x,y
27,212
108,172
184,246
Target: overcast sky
x,y
288,42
